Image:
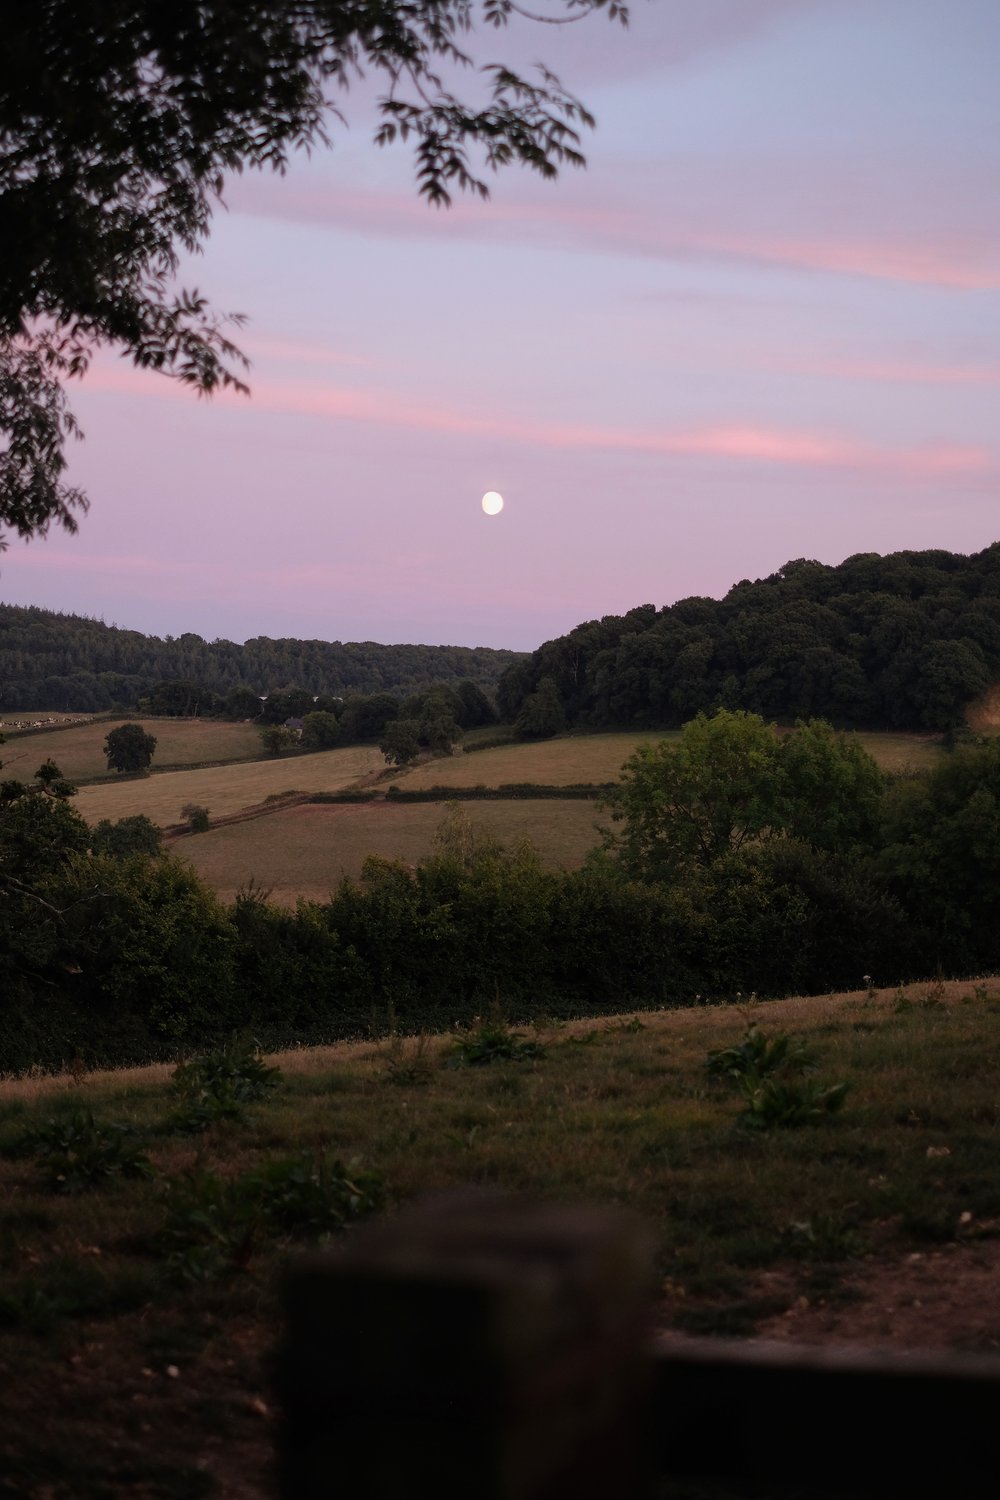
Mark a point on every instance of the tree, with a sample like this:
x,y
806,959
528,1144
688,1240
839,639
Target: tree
x,y
541,714
135,835
400,742
687,802
320,731
276,737
730,782
115,139
129,748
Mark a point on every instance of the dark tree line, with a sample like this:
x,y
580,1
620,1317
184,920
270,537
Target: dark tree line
x,y
905,641
70,663
745,862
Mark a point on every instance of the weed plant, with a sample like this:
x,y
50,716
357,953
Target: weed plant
x,y
492,1041
769,1075
77,1152
219,1085
217,1225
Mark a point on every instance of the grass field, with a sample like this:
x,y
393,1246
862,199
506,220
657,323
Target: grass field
x,y
78,752
305,851
226,789
137,1319
599,757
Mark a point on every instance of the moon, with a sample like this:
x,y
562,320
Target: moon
x,y
492,503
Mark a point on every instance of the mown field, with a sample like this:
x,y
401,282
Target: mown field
x,y
78,752
137,1317
599,758
227,789
306,850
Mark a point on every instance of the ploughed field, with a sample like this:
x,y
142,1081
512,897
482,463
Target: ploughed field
x,y
138,1308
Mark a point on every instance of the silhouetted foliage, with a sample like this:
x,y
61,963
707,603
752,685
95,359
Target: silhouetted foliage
x,y
905,641
118,126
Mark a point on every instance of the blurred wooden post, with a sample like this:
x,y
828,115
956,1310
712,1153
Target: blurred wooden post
x,y
470,1349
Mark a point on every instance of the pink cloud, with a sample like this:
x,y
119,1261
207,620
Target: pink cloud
x,y
965,263
733,441
906,372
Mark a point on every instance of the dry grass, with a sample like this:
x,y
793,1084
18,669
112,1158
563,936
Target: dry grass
x,y
306,851
599,758
227,789
78,751
903,752
560,762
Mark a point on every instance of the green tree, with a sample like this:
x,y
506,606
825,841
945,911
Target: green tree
x,y
129,748
686,802
118,124
320,731
832,790
541,715
134,835
400,742
275,738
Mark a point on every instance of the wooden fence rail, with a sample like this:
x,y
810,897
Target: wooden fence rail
x,y
483,1348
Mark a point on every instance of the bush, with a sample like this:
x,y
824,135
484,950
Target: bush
x,y
491,1041
219,1085
767,1075
216,1225
79,1152
197,817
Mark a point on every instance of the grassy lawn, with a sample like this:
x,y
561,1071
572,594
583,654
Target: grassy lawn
x,y
134,1341
78,752
305,851
227,789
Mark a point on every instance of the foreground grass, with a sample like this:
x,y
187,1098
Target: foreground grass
x,y
125,1380
306,851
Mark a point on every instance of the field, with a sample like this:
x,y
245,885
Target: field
x,y
561,762
305,851
227,789
78,752
599,757
137,1317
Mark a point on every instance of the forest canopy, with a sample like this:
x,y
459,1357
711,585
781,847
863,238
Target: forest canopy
x,y
905,641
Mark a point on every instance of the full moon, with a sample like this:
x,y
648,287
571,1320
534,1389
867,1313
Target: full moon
x,y
492,503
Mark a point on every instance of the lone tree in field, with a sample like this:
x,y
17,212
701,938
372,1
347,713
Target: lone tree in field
x,y
118,124
129,748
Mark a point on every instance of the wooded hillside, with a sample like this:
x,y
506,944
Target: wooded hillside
x,y
905,641
68,662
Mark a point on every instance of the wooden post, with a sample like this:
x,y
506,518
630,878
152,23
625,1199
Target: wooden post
x,y
473,1348
827,1421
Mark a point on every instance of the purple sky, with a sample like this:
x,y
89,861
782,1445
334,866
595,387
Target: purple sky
x,y
763,324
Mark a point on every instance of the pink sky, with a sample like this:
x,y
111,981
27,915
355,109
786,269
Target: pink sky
x,y
763,324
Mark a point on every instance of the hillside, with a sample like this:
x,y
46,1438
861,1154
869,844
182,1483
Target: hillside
x,y
140,1317
906,641
67,662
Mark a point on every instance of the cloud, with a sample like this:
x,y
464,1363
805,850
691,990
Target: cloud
x,y
668,228
910,372
748,443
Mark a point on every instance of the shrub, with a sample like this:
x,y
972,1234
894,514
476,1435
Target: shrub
x,y
768,1076
492,1041
219,1085
197,817
79,1153
216,1225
